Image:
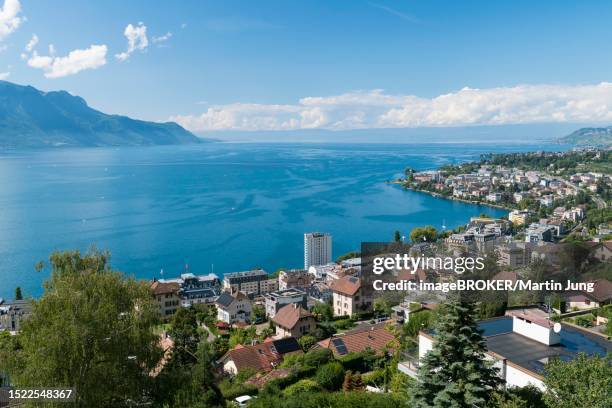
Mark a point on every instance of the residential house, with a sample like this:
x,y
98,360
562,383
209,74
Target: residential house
x,y
167,296
348,296
514,254
294,278
377,338
521,343
233,307
13,313
276,300
600,296
294,321
262,357
603,251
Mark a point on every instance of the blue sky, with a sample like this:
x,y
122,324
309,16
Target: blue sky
x,y
259,65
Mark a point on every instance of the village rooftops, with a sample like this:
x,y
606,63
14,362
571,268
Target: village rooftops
x,y
347,285
377,338
289,315
261,357
163,288
244,274
227,298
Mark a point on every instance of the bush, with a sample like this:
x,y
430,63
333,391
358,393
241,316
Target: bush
x,y
231,390
307,342
317,357
330,376
585,320
376,377
343,324
303,386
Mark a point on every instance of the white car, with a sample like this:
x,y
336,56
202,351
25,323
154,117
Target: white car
x,y
243,400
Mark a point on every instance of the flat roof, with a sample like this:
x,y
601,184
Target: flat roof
x,y
532,355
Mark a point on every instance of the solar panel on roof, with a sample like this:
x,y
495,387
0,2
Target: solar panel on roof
x,y
340,346
353,279
286,345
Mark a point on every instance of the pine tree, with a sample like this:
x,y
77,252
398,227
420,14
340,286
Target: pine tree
x,y
18,295
454,373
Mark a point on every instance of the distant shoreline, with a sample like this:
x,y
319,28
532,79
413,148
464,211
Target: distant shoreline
x,y
438,195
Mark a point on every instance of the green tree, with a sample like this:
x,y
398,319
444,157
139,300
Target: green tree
x,y
454,373
92,330
323,311
423,234
330,376
259,312
18,295
195,384
186,336
307,341
397,236
582,382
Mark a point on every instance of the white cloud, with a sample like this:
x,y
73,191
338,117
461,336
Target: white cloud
x,y
375,109
4,75
32,43
9,18
162,38
137,40
76,61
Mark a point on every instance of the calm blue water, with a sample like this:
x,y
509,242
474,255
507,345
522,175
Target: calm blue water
x,y
236,206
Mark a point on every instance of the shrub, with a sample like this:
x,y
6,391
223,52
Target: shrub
x,y
343,324
231,390
330,376
307,342
303,386
585,320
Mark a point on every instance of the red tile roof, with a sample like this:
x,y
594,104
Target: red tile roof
x,y
377,338
289,315
162,288
260,357
346,285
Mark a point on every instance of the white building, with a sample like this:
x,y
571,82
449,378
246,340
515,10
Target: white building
x,y
520,344
317,249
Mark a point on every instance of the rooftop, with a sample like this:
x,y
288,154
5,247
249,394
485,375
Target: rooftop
x,y
532,355
289,315
376,338
347,285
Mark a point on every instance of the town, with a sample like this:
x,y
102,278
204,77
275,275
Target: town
x,y
319,331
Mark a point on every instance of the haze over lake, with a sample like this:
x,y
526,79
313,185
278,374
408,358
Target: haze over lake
x,y
232,205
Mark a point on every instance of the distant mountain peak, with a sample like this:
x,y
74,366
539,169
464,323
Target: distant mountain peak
x,y
33,118
591,136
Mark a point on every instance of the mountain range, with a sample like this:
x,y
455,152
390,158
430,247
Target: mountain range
x,y
601,137
33,118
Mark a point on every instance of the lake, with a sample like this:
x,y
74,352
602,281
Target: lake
x,y
218,207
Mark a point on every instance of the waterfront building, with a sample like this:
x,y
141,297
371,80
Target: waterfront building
x,y
166,294
256,282
317,249
195,289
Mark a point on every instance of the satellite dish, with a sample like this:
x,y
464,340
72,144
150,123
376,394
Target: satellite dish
x,y
557,327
